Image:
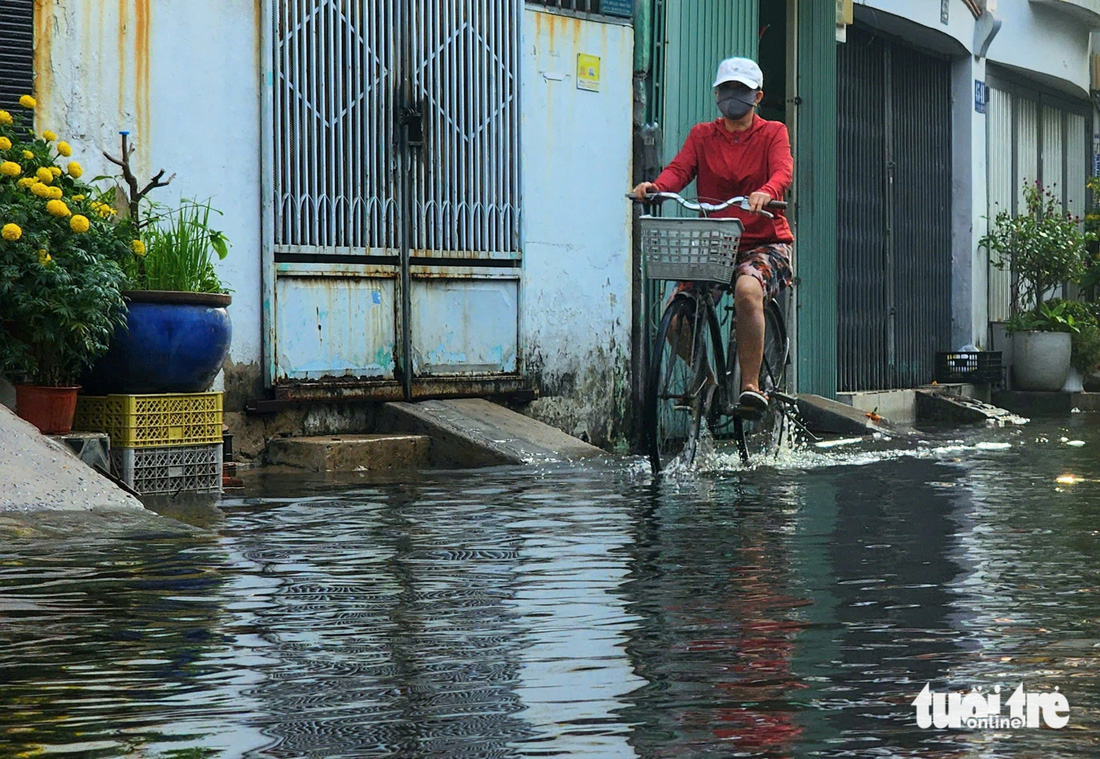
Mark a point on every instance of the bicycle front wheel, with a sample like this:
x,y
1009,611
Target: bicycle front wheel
x,y
764,436
682,367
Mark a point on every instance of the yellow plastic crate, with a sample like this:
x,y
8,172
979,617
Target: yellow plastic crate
x,y
150,421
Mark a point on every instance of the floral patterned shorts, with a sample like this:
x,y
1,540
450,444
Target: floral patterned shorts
x,y
769,264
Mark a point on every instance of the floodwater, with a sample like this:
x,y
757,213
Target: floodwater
x,y
579,610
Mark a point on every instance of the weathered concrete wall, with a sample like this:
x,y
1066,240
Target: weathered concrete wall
x,y
575,313
182,76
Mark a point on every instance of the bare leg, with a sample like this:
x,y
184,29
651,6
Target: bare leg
x,y
748,296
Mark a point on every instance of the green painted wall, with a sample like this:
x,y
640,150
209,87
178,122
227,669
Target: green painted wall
x,y
692,37
815,198
689,38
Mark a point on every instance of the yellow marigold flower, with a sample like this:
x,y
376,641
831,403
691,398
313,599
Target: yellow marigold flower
x,y
11,232
78,198
55,193
44,257
65,149
39,189
10,169
139,247
5,143
75,170
45,176
58,208
79,224
6,119
104,210
56,171
28,102
28,154
26,182
49,136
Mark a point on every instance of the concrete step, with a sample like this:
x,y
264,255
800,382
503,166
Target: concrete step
x,y
472,432
1035,403
823,415
899,406
352,453
938,407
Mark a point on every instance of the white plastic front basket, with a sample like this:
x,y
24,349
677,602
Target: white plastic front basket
x,y
690,249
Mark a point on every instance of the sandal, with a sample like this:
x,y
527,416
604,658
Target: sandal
x,y
753,400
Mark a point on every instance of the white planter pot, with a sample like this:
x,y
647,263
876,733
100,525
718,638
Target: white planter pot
x,y
1040,360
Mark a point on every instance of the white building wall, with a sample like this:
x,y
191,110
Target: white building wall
x,y
1043,43
182,77
575,310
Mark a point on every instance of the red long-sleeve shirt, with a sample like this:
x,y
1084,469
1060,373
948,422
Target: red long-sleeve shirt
x,y
726,164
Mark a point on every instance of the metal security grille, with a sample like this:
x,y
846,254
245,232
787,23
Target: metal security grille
x,y
894,223
1031,135
465,183
392,230
334,126
16,51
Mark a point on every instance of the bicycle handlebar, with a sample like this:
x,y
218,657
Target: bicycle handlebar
x,y
740,201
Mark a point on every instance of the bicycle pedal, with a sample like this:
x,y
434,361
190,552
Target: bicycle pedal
x,y
750,413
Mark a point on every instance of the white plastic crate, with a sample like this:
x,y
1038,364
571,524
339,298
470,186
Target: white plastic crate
x,y
170,469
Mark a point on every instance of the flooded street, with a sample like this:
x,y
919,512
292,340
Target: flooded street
x,y
583,610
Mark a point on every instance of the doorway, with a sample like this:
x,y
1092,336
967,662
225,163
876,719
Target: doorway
x,y
392,217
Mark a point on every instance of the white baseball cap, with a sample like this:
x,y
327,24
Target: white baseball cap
x,y
743,70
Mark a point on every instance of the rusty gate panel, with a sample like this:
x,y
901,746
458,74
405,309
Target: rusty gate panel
x,y
336,219
395,220
465,216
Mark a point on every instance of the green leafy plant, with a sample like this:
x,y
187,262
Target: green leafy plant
x,y
1053,315
60,247
178,251
176,246
1085,318
1043,247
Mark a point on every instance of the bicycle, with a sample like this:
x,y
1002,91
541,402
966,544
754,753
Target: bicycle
x,y
691,382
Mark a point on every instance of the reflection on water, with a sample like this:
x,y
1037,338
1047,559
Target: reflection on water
x,y
790,610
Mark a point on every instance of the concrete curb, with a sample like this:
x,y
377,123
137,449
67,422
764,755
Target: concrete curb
x,y
37,473
822,415
474,432
352,453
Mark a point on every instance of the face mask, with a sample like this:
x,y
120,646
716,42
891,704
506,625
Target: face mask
x,y
736,105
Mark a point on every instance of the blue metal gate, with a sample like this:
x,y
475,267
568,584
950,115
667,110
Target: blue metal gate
x,y
393,219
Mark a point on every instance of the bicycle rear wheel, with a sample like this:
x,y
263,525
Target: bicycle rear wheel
x,y
676,394
763,436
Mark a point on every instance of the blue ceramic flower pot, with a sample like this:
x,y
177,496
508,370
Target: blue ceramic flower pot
x,y
175,342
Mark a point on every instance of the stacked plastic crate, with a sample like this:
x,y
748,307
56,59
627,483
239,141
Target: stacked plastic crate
x,y
160,444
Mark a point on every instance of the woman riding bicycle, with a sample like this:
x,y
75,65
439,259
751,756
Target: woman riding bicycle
x,y
742,154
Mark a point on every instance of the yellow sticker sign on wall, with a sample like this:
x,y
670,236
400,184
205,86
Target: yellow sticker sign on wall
x,y
588,72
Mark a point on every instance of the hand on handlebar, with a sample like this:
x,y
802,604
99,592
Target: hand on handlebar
x,y
644,189
758,201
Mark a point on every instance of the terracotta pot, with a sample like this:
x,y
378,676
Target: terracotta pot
x,y
50,409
